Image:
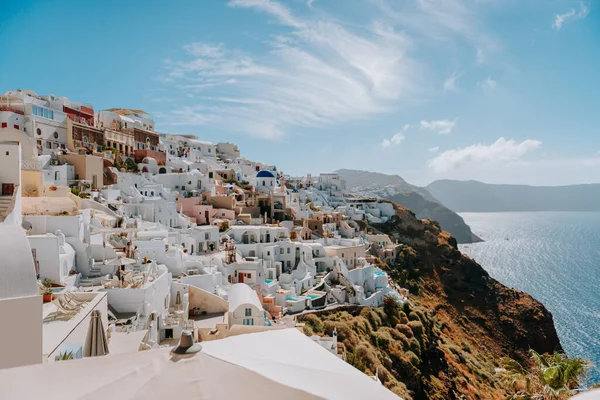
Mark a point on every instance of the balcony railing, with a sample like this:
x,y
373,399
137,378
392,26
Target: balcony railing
x,y
10,109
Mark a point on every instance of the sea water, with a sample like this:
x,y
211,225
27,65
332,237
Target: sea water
x,y
553,256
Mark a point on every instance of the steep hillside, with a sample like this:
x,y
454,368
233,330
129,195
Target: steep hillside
x,y
448,219
365,180
474,196
460,322
419,200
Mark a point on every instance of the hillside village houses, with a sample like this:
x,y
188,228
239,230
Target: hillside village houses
x,y
108,223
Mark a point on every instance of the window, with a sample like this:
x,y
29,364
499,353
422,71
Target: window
x,y
206,236
342,255
281,250
45,113
248,312
48,145
8,153
39,131
248,321
62,146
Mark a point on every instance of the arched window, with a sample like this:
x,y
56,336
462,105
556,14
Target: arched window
x,y
55,135
56,175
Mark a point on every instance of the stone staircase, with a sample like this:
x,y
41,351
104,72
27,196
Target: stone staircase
x,y
6,206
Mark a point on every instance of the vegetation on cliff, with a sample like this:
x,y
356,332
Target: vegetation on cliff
x,y
460,324
551,376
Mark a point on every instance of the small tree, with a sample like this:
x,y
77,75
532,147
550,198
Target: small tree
x,y
391,305
130,165
224,226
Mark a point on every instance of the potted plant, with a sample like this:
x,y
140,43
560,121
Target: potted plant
x,y
53,188
45,290
64,356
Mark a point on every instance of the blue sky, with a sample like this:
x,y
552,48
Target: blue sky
x,y
502,91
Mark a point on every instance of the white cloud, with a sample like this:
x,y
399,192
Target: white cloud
x,y
450,83
488,83
316,73
393,141
433,149
572,14
444,20
480,58
203,50
443,126
396,139
501,151
272,7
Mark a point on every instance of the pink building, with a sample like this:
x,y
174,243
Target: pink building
x,y
203,214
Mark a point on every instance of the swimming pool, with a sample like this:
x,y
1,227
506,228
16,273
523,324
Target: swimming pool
x,y
379,273
312,296
268,280
294,299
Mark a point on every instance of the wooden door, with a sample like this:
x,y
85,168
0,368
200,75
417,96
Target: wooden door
x,y
8,189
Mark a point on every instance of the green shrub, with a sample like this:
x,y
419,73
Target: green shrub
x,y
405,329
416,327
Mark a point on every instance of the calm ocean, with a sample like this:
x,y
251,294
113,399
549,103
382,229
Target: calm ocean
x,y
553,256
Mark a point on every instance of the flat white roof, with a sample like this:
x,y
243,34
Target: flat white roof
x,y
280,363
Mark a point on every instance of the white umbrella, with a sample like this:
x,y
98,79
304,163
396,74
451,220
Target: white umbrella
x,y
119,261
95,343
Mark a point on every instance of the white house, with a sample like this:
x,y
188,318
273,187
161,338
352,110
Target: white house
x,y
228,150
244,306
53,255
20,302
185,183
124,119
206,238
265,181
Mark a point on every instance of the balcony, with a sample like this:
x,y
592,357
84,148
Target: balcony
x,y
11,109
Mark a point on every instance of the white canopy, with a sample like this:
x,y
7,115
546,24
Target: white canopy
x,y
592,395
273,364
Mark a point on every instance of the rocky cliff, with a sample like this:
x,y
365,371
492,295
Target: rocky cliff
x,y
460,322
417,199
